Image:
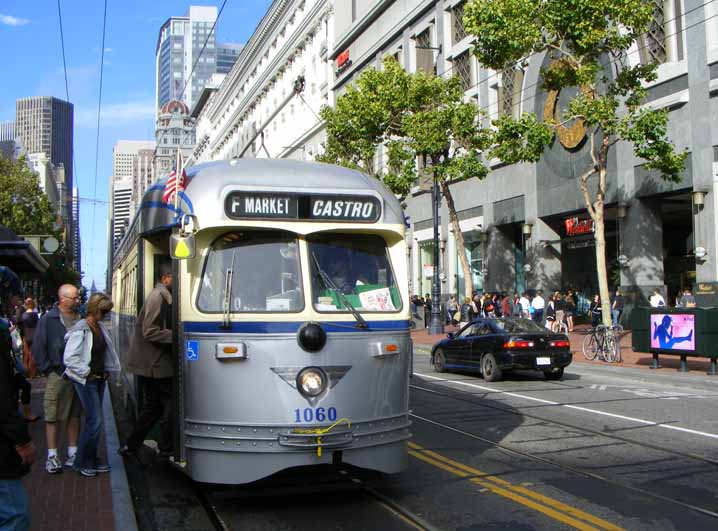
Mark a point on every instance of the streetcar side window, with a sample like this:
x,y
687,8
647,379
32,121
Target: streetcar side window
x,y
265,273
353,269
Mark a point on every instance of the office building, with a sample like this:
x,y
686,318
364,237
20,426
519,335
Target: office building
x,y
175,130
77,250
7,131
124,156
179,44
120,216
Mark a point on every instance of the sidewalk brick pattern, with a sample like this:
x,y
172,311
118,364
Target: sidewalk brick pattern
x,y
68,500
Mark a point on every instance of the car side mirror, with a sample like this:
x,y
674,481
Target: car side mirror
x,y
450,335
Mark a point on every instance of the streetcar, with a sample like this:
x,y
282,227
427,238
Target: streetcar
x,y
290,294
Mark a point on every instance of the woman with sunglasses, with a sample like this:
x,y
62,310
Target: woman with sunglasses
x,y
89,358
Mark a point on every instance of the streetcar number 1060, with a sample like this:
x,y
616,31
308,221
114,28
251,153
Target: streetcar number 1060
x,y
319,414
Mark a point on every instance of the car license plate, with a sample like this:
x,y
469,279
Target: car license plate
x,y
543,361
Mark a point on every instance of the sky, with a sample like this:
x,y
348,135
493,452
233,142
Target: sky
x,y
32,66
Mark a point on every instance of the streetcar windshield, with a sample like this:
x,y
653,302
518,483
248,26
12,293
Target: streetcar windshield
x,y
352,270
266,273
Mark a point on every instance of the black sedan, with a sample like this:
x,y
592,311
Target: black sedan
x,y
492,346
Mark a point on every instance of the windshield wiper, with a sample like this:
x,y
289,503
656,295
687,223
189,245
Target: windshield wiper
x,y
228,292
361,323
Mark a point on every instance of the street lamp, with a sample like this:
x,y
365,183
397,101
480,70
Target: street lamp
x,y
436,324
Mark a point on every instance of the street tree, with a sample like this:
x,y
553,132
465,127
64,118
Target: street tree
x,y
587,42
422,125
25,209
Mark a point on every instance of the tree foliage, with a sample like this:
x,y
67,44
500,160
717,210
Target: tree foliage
x,y
25,209
587,40
412,117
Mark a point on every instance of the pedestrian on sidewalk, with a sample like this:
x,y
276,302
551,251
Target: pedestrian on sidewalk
x,y
427,310
596,311
28,321
538,304
89,359
687,300
61,401
617,307
150,359
657,300
525,306
570,308
17,451
465,312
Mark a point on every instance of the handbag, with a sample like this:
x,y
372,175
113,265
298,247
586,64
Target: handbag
x,y
457,316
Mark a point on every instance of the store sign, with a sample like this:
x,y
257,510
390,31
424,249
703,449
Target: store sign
x,y
313,207
428,271
343,62
577,227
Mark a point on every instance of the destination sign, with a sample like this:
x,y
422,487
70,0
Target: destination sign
x,y
314,207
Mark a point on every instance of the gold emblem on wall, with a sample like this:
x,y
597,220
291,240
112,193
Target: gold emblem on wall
x,y
570,136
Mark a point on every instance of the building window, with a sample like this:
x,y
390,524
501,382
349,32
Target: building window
x,y
426,265
663,42
462,68
510,92
424,53
458,32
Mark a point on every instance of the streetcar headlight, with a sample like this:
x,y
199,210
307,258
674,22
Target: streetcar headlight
x,y
311,381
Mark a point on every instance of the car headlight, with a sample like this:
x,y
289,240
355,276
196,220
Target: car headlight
x,y
312,381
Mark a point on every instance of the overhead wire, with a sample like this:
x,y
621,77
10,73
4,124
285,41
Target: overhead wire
x,y
97,137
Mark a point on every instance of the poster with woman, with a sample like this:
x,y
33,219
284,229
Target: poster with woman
x,y
673,331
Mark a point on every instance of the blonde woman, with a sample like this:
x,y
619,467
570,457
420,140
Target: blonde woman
x,y
89,358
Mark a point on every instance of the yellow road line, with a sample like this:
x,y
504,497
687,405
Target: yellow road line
x,y
551,507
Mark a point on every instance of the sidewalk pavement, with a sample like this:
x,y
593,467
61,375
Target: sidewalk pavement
x,y
639,360
69,500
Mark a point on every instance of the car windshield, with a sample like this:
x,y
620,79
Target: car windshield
x,y
266,273
353,269
518,326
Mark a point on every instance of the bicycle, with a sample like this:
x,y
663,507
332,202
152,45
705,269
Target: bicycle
x,y
601,342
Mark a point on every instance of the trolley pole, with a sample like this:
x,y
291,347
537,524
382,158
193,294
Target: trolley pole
x,y
436,324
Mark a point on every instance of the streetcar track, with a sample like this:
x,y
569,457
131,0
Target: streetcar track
x,y
521,413
346,481
592,475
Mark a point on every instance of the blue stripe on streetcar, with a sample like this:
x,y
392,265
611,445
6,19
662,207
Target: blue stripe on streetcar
x,y
263,327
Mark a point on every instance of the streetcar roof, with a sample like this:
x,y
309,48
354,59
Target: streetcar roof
x,y
208,184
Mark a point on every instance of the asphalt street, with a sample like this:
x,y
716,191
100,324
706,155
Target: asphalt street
x,y
601,449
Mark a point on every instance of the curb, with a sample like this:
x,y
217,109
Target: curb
x,y
123,509
633,374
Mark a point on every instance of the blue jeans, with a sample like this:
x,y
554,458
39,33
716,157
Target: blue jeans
x,y
90,395
14,511
616,315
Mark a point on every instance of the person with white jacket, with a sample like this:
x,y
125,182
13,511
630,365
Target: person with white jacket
x,y
89,358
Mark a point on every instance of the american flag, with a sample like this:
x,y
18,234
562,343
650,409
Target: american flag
x,y
175,185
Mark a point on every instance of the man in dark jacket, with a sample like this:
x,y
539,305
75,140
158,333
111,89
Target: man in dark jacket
x,y
17,452
61,402
149,358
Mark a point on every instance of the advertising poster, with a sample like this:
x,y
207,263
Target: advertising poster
x,y
673,331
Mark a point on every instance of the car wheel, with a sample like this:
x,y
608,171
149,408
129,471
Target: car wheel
x,y
439,361
555,374
489,368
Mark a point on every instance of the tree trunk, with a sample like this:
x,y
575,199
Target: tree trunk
x,y
459,238
600,237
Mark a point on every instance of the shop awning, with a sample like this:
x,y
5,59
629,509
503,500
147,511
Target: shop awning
x,y
17,254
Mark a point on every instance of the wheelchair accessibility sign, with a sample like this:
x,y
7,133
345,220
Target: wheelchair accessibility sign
x,y
192,350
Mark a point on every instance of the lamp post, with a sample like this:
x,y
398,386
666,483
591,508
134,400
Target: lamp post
x,y
436,324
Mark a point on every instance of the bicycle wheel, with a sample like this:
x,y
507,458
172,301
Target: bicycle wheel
x,y
589,347
610,349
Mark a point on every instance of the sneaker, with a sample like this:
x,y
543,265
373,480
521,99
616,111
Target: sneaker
x,y
101,469
70,461
52,465
88,472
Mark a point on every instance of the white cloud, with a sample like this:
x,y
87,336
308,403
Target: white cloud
x,y
108,49
9,20
114,114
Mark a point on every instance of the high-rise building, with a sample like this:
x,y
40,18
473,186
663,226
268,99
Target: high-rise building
x,y
124,155
175,130
77,251
44,124
7,131
179,43
142,175
121,194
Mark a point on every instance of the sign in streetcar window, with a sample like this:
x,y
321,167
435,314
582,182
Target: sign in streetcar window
x,y
268,205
